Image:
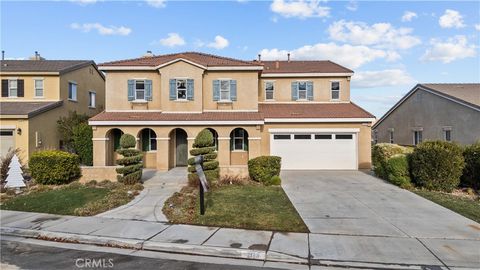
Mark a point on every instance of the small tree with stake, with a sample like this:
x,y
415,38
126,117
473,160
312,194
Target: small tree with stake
x,y
131,172
203,145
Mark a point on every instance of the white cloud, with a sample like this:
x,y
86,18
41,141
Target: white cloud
x,y
299,8
102,30
84,2
173,39
382,35
347,55
453,49
156,3
451,18
219,43
352,5
381,78
408,16
477,27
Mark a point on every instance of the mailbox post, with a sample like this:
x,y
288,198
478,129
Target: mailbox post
x,y
203,185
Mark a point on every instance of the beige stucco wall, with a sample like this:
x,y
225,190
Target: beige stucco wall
x,y
50,87
98,173
87,79
364,138
321,88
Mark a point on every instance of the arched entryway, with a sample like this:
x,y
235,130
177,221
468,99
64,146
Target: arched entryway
x,y
178,150
215,137
113,143
148,145
239,147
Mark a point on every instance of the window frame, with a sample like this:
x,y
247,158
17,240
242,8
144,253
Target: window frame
x,y
139,90
73,98
272,91
417,137
228,91
390,136
332,90
449,131
241,137
90,105
152,140
282,137
298,90
10,88
344,137
177,89
35,87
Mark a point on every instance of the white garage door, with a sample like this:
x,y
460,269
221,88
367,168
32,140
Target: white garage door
x,y
315,151
6,141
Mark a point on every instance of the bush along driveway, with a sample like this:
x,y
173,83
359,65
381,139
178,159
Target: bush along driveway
x,y
357,217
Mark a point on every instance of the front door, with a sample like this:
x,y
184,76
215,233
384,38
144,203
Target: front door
x,y
181,147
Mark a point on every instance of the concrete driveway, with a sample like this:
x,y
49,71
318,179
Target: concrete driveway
x,y
357,217
147,206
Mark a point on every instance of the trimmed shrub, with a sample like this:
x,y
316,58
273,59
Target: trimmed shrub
x,y
83,144
65,127
437,165
53,167
397,171
275,181
204,145
131,159
381,152
263,168
471,172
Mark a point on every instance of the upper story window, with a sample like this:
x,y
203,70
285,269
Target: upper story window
x,y
269,89
12,88
38,85
417,137
302,90
140,90
335,88
181,89
447,134
390,136
72,91
91,99
224,89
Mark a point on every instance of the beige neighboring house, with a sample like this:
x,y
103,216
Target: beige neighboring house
x,y
444,111
36,93
299,110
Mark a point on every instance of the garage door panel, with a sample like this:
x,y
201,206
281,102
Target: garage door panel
x,y
317,154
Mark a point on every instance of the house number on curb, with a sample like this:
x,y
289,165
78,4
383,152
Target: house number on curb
x,y
203,182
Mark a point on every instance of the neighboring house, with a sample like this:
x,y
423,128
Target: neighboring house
x,y
299,110
448,112
36,93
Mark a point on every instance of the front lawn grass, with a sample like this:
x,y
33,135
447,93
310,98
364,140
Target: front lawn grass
x,y
251,206
467,207
72,199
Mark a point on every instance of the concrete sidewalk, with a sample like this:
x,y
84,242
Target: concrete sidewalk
x,y
301,250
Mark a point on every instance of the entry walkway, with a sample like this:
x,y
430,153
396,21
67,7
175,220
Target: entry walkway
x,y
158,187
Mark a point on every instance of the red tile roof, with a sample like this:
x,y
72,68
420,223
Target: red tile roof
x,y
317,110
303,67
204,59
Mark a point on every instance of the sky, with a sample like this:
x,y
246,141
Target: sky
x,y
391,45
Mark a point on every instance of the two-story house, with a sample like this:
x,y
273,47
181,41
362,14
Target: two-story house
x,y
299,110
36,93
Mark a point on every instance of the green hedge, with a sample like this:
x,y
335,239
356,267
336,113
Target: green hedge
x,y
437,165
204,145
131,159
471,172
275,181
397,170
82,143
381,152
53,167
263,168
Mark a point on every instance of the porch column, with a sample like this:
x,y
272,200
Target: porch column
x,y
163,145
100,151
224,151
254,147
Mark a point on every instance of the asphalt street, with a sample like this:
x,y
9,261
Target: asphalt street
x,y
17,255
